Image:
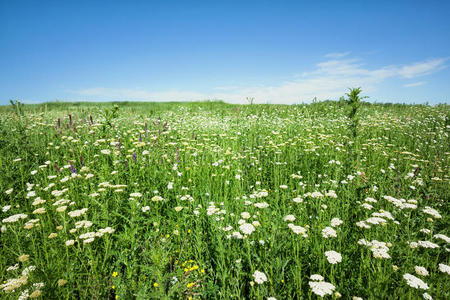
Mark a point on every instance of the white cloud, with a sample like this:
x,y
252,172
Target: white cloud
x,y
414,84
337,54
329,80
422,68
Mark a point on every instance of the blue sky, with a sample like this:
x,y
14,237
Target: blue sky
x,y
274,51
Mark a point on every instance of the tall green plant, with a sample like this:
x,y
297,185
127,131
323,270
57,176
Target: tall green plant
x,y
109,114
353,101
352,163
17,107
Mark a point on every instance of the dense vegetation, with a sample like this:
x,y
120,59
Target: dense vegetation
x,y
212,200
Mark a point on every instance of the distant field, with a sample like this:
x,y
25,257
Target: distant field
x,y
209,200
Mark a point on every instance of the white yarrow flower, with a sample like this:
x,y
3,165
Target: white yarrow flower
x,y
329,232
427,296
421,271
444,268
321,288
289,218
316,277
335,222
333,257
260,277
298,229
247,228
415,282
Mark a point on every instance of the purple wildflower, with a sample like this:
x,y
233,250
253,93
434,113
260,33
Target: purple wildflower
x,y
72,168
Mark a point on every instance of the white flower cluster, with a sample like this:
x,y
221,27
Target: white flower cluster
x,y
328,232
14,218
401,203
444,268
336,222
247,228
319,287
423,244
298,230
14,283
415,282
432,212
442,237
89,237
78,212
261,205
259,277
333,257
379,249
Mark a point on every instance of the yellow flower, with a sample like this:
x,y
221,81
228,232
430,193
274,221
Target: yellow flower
x,y
189,231
113,287
202,270
117,296
193,268
115,274
155,284
189,285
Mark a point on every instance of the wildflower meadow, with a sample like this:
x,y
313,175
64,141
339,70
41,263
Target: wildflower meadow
x,y
208,200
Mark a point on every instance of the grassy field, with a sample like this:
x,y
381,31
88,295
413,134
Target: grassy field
x,y
215,201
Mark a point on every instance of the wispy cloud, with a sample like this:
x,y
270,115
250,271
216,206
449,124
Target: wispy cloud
x,y
337,54
414,84
423,68
329,80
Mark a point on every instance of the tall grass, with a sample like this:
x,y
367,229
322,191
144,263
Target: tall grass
x,y
212,200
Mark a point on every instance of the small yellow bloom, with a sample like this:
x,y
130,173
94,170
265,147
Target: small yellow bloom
x,y
202,270
282,280
189,285
155,284
193,268
189,231
115,274
167,235
117,296
113,287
